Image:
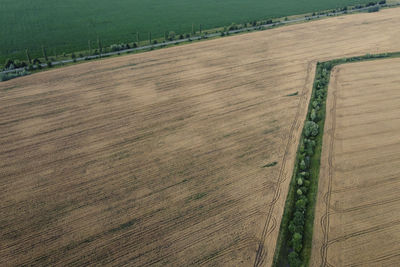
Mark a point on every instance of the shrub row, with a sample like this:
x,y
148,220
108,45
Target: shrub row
x,y
295,237
303,175
12,75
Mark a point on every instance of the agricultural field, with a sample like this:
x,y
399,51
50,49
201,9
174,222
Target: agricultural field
x,y
180,156
358,212
67,26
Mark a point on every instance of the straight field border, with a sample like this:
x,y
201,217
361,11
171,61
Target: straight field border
x,y
285,253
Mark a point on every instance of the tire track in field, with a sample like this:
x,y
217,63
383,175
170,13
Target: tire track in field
x,y
375,260
324,222
363,232
262,251
368,205
218,226
392,179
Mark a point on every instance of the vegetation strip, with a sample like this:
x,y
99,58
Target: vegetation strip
x,y
295,236
17,68
70,26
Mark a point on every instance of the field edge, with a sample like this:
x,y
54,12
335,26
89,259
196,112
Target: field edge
x,y
285,252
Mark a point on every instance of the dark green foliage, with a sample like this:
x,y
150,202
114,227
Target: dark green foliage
x,y
28,56
12,75
294,259
115,21
44,53
373,9
293,94
36,61
8,63
232,27
100,46
313,115
270,164
298,216
301,204
171,35
302,165
310,129
297,242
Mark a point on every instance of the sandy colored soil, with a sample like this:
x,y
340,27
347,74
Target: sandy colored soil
x,y
160,158
358,212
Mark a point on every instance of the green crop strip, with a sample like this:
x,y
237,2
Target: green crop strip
x,y
295,236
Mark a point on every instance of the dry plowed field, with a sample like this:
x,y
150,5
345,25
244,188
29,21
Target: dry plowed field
x,y
164,157
358,212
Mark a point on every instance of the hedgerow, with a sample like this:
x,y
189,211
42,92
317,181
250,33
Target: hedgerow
x,y
295,236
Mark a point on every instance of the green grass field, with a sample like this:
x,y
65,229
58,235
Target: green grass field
x,y
66,26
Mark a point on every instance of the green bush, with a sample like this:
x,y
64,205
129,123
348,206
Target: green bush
x,y
299,181
373,9
313,115
171,35
12,75
310,129
294,259
297,242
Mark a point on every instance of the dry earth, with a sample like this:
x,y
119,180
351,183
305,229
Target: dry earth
x,y
159,158
358,212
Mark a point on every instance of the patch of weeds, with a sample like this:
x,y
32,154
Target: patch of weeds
x,y
270,130
120,155
124,225
270,164
197,196
227,135
293,94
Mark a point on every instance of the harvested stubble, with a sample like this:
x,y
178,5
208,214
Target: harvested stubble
x,y
158,158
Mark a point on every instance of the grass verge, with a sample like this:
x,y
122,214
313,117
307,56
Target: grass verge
x,y
294,242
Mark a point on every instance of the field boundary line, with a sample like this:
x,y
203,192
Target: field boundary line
x,y
262,251
206,36
285,249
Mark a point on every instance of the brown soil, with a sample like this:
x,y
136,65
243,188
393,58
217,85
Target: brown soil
x,y
160,158
358,212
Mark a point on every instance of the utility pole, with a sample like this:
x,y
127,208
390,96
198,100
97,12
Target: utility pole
x,y
100,46
192,29
28,57
137,38
90,48
200,29
150,37
44,53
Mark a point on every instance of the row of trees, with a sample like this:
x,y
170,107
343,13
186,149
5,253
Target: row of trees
x,y
168,36
303,177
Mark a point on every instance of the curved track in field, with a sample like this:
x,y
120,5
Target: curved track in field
x,y
262,251
345,205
